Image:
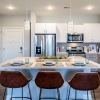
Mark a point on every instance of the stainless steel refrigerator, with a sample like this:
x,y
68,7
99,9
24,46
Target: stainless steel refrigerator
x,y
45,45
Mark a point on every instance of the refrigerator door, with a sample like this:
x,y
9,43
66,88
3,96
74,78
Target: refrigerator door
x,y
50,45
40,42
45,45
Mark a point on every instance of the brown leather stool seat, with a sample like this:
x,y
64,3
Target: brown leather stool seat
x,y
14,79
49,80
84,82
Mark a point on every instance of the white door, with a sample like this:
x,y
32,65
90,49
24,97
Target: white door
x,y
13,43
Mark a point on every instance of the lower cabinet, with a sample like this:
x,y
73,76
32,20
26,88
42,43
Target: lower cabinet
x,y
99,58
92,57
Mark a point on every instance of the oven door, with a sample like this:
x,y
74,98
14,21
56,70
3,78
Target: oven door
x,y
81,55
75,38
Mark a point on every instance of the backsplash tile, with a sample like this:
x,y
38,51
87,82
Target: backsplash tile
x,y
64,45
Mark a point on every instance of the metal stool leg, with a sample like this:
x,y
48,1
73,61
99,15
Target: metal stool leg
x,y
87,96
40,93
58,92
4,94
22,93
75,94
29,92
94,95
69,93
11,94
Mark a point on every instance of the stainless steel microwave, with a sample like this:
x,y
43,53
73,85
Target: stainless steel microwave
x,y
79,37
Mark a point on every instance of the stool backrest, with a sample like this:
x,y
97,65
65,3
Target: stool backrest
x,y
85,81
49,80
12,79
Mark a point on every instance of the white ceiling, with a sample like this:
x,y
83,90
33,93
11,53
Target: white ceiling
x,y
40,7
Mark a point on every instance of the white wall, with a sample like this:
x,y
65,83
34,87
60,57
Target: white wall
x,y
16,21
78,20
12,20
33,21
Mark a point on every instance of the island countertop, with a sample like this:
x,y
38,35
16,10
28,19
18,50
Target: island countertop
x,y
66,68
35,63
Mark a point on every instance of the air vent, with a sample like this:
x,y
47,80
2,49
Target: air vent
x,y
66,7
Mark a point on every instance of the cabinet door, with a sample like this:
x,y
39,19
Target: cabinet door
x,y
96,32
61,32
88,33
40,28
0,47
50,28
78,28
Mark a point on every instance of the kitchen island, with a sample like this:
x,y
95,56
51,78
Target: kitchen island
x,y
65,67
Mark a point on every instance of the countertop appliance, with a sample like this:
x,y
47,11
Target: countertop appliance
x,y
76,51
75,37
45,45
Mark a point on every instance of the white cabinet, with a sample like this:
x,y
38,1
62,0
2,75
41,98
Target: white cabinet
x,y
61,32
45,28
50,28
91,32
88,33
96,32
78,29
39,28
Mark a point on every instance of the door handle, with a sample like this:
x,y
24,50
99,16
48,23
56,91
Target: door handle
x,y
21,48
20,52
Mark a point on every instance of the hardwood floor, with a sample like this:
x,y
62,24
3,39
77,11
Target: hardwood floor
x,y
1,92
97,92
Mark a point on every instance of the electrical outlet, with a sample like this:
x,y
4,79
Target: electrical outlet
x,y
62,47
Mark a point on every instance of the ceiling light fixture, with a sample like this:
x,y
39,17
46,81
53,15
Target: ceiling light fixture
x,y
11,7
26,22
89,8
50,8
70,21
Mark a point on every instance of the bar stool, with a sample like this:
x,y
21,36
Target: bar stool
x,y
14,79
49,80
84,82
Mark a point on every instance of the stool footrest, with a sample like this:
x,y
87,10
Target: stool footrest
x,y
50,98
22,97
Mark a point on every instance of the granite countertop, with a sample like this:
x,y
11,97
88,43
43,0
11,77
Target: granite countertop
x,y
34,64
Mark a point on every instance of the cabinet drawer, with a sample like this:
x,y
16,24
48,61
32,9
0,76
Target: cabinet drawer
x,y
93,59
91,55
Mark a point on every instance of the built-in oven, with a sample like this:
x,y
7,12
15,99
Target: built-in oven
x,y
75,37
76,51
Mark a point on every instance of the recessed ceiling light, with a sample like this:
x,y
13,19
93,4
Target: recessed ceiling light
x,y
50,8
89,7
11,7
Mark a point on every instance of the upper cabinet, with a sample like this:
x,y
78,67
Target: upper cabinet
x,y
78,29
91,32
61,32
45,28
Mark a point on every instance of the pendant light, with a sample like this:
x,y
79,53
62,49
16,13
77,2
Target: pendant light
x,y
26,22
70,20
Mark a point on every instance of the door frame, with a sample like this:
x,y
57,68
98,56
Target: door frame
x,y
3,40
